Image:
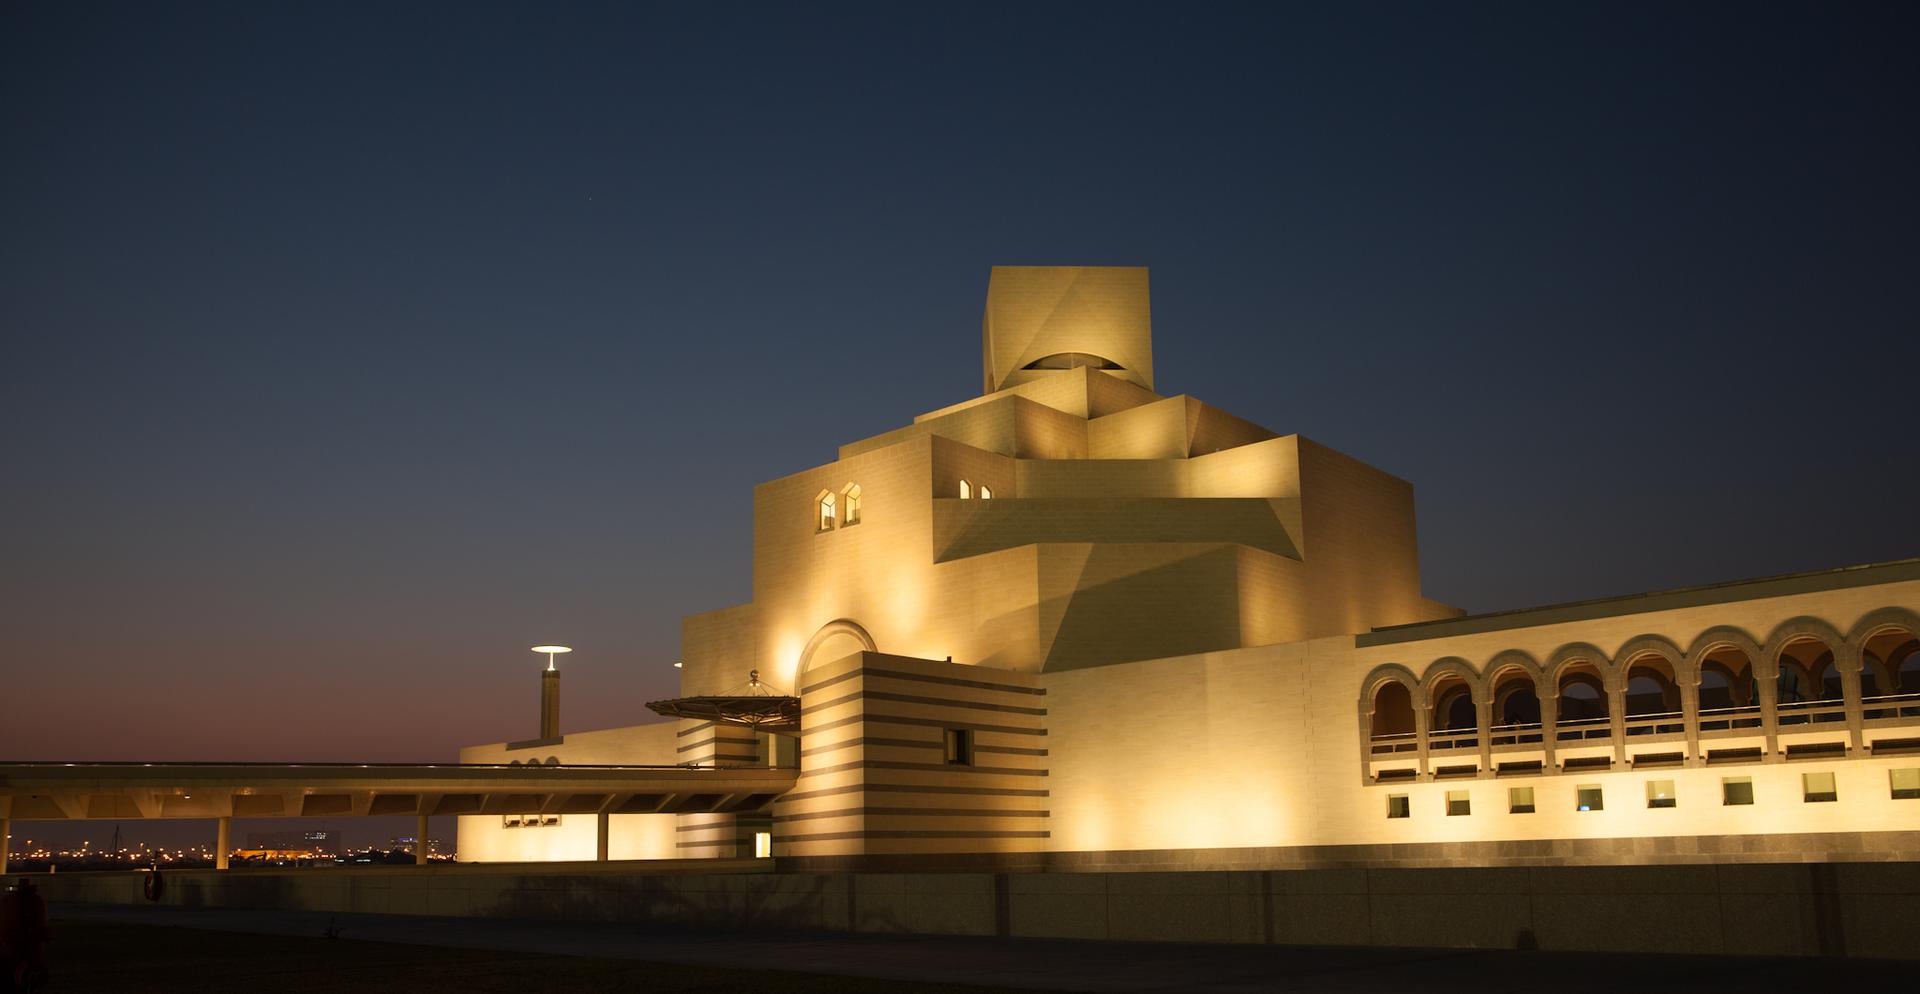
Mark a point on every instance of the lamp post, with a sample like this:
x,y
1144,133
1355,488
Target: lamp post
x,y
550,692
551,651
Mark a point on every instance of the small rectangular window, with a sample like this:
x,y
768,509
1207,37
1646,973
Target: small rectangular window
x,y
1736,790
1520,800
1397,806
509,821
986,492
1906,783
959,747
1587,797
762,845
1660,794
1459,803
1818,787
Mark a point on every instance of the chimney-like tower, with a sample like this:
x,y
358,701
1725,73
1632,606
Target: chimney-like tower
x,y
550,703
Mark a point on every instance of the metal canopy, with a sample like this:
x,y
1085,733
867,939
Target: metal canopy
x,y
753,705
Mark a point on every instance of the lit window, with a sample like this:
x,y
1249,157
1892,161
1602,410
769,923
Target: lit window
x,y
825,502
1660,794
986,492
1397,806
1736,790
762,845
1587,798
1906,784
1459,803
1818,787
850,504
959,742
1520,800
966,490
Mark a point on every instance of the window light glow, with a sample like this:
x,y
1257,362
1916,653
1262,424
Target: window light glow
x,y
824,501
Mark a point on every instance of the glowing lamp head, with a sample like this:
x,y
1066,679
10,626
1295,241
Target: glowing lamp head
x,y
551,651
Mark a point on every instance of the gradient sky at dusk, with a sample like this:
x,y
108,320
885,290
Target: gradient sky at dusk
x,y
349,349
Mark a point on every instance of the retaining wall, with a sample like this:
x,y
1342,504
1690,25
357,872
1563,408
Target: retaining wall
x,y
1833,909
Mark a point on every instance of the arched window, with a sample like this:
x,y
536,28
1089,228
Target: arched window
x,y
966,490
850,504
986,492
825,503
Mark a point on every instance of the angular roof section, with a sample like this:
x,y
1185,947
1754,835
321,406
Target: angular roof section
x,y
1041,320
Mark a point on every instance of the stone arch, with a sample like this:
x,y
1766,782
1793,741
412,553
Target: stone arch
x,y
1659,668
1873,622
1655,645
1728,666
1442,688
1383,673
1896,628
1450,665
1581,662
838,626
1723,637
1791,670
1804,627
1370,698
1573,655
1506,677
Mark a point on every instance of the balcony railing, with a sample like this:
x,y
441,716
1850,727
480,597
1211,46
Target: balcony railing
x,y
1809,712
1583,728
1891,707
1716,723
1396,742
1507,736
1730,720
1665,723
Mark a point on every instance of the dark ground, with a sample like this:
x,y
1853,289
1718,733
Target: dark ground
x,y
102,948
111,957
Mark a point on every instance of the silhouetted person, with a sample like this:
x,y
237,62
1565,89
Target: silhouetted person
x,y
23,937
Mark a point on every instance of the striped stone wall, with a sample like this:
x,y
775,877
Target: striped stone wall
x,y
720,835
873,772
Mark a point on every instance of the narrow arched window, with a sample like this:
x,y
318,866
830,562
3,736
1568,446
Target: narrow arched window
x,y
850,504
986,492
966,490
824,501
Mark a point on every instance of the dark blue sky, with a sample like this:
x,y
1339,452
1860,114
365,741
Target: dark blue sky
x,y
351,348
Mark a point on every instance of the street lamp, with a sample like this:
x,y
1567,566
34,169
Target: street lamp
x,y
551,651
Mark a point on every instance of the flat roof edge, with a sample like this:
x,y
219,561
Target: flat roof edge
x,y
1840,578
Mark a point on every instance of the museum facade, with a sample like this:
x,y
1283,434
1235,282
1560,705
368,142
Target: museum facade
x,y
1073,623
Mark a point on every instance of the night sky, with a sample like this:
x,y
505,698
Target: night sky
x,y
350,349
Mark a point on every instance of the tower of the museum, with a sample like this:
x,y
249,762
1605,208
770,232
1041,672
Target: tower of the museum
x,y
1068,517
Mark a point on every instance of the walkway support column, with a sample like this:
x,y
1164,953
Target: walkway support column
x,y
223,843
600,836
1483,713
420,842
1849,663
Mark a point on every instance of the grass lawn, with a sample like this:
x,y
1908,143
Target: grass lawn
x,y
110,957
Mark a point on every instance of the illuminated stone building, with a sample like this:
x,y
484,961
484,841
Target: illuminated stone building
x,y
1073,622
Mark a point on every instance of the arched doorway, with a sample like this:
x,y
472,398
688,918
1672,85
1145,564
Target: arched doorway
x,y
1584,711
1653,696
1729,693
835,639
1808,685
1391,728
